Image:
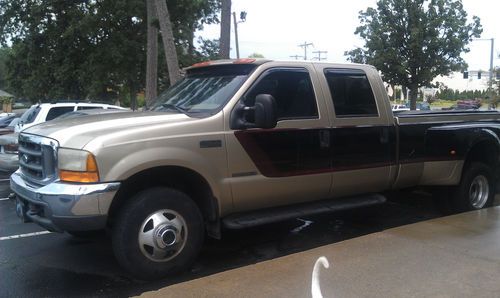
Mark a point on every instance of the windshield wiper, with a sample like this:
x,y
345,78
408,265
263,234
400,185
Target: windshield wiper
x,y
174,107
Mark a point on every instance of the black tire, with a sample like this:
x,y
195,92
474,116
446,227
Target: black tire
x,y
477,179
137,213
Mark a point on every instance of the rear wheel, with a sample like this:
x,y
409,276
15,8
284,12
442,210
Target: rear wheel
x,y
476,189
158,232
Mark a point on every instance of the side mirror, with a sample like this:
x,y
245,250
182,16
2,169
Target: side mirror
x,y
265,111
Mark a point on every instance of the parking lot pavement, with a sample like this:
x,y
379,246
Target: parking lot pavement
x,y
58,265
455,256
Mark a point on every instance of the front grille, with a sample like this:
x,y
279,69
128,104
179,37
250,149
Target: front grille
x,y
37,158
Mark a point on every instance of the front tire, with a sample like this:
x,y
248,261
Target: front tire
x,y
158,232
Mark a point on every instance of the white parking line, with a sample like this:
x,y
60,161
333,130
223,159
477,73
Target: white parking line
x,y
24,235
4,199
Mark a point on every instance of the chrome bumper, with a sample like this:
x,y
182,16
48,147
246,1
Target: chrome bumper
x,y
62,206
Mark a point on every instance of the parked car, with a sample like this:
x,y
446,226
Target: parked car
x,y
400,108
6,119
39,113
48,111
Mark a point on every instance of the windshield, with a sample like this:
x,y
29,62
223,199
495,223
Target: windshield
x,y
204,91
30,115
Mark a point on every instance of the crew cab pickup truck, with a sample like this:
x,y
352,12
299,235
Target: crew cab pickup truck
x,y
238,143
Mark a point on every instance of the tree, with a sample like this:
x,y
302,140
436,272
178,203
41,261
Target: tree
x,y
225,29
412,42
167,34
4,56
91,49
152,53
256,55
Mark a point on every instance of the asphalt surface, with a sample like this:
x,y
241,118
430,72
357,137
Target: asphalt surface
x,y
59,265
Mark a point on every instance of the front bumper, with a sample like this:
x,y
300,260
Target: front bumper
x,y
61,206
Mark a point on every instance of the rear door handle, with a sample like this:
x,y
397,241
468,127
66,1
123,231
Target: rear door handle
x,y
324,138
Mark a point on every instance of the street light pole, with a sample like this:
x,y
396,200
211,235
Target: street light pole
x,y
243,16
491,66
236,36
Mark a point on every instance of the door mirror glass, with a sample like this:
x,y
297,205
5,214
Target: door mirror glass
x,y
265,111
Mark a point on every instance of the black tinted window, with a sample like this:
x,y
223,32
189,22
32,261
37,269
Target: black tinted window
x,y
291,88
88,107
58,111
351,93
30,115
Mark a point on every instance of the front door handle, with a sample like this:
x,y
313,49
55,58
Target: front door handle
x,y
384,135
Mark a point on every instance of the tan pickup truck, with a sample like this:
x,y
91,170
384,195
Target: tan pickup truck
x,y
240,143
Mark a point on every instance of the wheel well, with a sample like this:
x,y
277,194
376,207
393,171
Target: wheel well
x,y
182,179
485,152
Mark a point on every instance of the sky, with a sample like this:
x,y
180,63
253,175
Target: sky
x,y
275,28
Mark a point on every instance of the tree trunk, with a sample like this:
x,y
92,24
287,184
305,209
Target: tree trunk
x,y
225,29
167,35
152,54
413,97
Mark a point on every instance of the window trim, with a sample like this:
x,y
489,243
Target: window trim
x,y
286,68
350,71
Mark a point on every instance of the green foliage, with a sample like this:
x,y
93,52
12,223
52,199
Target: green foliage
x,y
89,49
450,94
412,42
256,55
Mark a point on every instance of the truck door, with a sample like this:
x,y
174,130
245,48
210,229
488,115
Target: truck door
x,y
362,131
289,163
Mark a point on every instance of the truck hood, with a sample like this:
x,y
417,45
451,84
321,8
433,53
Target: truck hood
x,y
77,132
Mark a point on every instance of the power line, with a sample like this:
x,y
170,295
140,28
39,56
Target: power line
x,y
305,45
319,58
297,57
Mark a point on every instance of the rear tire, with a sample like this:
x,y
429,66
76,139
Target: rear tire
x,y
476,189
158,232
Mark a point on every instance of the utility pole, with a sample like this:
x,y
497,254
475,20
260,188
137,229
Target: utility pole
x,y
305,45
491,66
319,58
296,57
243,17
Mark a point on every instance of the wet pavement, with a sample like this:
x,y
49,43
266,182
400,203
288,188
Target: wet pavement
x,y
58,265
454,256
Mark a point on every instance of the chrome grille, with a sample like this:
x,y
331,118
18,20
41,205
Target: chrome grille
x,y
37,159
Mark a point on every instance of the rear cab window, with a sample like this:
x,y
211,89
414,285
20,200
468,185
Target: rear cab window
x,y
351,93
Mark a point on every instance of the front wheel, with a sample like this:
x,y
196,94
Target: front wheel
x,y
476,189
158,232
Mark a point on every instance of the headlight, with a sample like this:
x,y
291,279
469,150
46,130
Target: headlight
x,y
77,166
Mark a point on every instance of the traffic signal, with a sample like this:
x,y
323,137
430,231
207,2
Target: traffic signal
x,y
479,75
466,74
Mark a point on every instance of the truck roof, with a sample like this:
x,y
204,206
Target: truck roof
x,y
260,61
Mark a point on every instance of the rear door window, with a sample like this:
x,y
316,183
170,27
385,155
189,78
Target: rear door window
x,y
351,93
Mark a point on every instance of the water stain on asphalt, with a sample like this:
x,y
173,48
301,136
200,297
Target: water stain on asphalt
x,y
86,267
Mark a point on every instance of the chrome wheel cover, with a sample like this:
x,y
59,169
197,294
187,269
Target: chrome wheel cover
x,y
162,235
479,192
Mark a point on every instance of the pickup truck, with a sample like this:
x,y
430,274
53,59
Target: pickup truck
x,y
239,143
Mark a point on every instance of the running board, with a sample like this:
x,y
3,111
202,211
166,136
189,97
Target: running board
x,y
272,215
